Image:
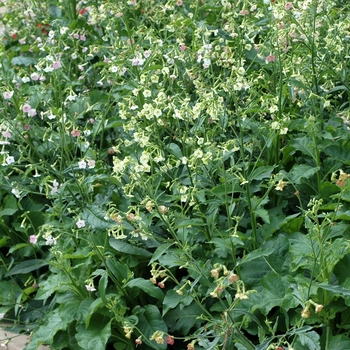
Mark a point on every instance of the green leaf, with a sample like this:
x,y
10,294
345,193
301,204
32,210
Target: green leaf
x,y
160,251
274,293
147,286
95,217
300,171
338,153
173,299
119,270
263,214
338,342
10,206
338,290
261,173
96,335
305,145
149,322
175,150
128,249
182,319
311,340
23,61
45,333
27,266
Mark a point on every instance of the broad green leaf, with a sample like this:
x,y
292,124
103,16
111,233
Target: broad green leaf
x,y
300,171
149,322
339,153
84,309
338,342
45,333
338,290
305,145
24,61
68,311
10,206
182,319
95,217
160,251
263,214
274,293
311,340
119,270
261,173
127,248
27,266
96,335
173,299
175,150
54,282
147,286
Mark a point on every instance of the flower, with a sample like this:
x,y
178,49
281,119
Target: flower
x,y
7,95
90,288
318,308
281,184
32,112
56,65
9,160
82,164
32,239
26,108
158,337
305,313
163,209
270,58
80,223
75,133
6,134
170,340
288,5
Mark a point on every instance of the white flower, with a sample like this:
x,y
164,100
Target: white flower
x,y
91,163
80,223
10,160
82,164
90,288
15,192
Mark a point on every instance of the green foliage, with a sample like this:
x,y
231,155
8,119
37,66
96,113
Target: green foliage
x,y
175,174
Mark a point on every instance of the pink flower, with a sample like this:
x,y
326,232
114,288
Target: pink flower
x,y
75,133
270,58
7,95
182,47
170,340
244,12
32,239
35,76
76,36
82,37
6,134
32,112
26,108
179,2
288,5
57,65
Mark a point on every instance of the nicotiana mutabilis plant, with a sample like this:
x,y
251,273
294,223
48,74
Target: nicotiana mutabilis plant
x,y
175,174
